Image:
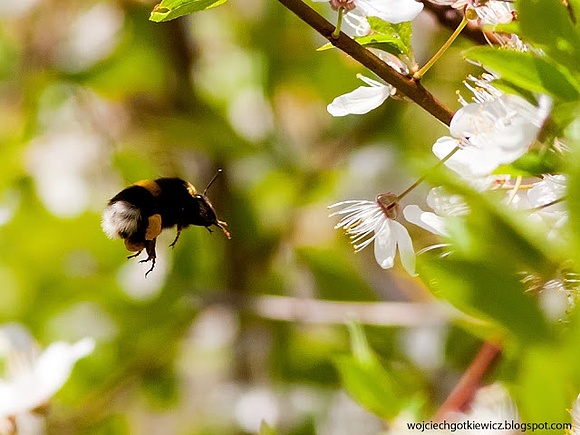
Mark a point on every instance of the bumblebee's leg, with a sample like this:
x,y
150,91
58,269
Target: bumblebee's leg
x,y
176,237
133,246
151,255
134,255
222,226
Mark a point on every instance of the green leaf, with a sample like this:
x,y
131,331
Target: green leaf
x,y
493,249
365,379
563,115
573,136
533,163
494,232
486,292
544,385
401,31
170,9
528,72
393,38
511,27
549,25
382,42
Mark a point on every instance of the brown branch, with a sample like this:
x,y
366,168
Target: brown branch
x,y
405,85
463,393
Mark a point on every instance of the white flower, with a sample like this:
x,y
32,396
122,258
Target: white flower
x,y
31,379
443,205
495,129
362,100
546,199
495,12
392,11
551,189
491,404
365,221
487,12
425,219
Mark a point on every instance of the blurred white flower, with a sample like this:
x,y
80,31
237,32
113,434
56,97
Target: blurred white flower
x,y
425,219
546,199
392,11
362,100
443,205
548,192
494,12
491,405
495,129
367,221
92,36
486,12
31,377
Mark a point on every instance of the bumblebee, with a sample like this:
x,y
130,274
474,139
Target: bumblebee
x,y
138,213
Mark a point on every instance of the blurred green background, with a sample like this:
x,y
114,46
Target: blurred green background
x,y
95,97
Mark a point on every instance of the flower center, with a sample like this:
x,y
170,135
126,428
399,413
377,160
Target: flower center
x,y
389,204
346,5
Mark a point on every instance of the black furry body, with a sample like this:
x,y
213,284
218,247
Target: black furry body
x,y
140,212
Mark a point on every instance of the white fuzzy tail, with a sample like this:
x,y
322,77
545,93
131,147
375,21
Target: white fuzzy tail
x,y
119,218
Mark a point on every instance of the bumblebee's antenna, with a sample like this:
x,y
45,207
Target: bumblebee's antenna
x,y
219,171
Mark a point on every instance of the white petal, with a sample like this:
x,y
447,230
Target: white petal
x,y
470,162
547,190
392,11
508,123
54,366
446,204
391,235
495,12
428,221
362,100
11,402
385,246
544,108
459,162
405,245
473,119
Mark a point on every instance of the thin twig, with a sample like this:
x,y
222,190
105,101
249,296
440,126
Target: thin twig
x,y
549,204
405,85
450,18
441,50
464,391
306,310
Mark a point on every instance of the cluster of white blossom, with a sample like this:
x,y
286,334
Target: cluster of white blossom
x,y
493,129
